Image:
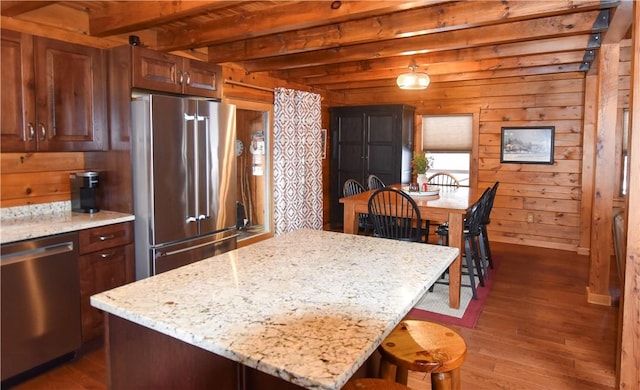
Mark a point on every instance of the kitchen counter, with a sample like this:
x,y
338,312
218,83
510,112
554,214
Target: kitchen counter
x,y
308,307
26,222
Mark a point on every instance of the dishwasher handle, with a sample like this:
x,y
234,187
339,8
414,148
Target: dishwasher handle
x,y
36,253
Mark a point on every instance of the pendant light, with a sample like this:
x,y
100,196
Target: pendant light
x,y
413,79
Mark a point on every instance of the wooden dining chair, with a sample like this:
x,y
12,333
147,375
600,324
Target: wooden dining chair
x,y
353,187
474,252
484,236
395,215
374,182
443,179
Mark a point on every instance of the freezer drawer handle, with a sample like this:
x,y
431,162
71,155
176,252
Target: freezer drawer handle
x,y
196,246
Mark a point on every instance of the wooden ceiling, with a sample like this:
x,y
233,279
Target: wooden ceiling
x,y
341,45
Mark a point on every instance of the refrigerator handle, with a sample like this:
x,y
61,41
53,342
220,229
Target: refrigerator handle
x,y
194,212
207,127
198,168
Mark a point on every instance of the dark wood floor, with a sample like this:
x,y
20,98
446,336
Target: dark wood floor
x,y
536,332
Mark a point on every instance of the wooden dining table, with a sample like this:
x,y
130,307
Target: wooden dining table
x,y
450,205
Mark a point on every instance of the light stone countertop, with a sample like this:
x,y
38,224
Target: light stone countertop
x,y
309,306
27,222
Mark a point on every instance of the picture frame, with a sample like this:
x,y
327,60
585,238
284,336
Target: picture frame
x,y
527,145
323,142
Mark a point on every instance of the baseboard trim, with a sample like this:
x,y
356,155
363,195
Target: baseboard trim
x,y
583,251
598,299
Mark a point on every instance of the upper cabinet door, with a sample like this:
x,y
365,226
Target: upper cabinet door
x,y
17,122
156,71
70,97
201,78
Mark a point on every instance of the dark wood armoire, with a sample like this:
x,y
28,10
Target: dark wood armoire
x,y
366,140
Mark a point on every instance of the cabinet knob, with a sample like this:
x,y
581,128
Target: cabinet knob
x,y
32,131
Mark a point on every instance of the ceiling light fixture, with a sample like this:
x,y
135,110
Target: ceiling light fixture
x,y
413,79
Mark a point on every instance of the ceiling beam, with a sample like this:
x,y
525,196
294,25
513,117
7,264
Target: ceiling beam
x,y
465,76
438,18
15,8
460,67
550,45
620,22
520,31
282,17
119,17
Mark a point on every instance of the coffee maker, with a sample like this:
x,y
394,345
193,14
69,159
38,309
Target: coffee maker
x,y
84,188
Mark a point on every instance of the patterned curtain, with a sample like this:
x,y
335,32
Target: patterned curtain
x,y
297,161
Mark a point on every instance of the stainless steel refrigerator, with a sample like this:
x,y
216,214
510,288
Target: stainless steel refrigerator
x,y
184,172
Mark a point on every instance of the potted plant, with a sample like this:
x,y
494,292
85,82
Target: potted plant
x,y
420,164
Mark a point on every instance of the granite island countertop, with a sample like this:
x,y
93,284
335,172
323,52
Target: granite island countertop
x,y
309,306
27,222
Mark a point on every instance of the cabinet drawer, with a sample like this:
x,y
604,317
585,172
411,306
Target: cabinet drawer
x,y
103,237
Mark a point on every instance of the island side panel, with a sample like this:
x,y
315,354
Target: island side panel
x,y
141,358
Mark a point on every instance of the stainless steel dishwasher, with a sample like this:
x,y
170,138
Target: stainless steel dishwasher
x,y
40,302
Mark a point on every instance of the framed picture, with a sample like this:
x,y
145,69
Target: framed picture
x,y
527,145
323,140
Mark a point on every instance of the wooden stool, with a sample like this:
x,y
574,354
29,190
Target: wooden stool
x,y
425,347
373,384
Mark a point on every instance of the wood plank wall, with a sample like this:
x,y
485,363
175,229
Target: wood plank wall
x,y
548,194
31,178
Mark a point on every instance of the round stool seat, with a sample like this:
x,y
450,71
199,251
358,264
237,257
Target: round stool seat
x,y
373,384
423,346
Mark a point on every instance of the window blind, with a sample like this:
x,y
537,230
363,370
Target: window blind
x,y
447,133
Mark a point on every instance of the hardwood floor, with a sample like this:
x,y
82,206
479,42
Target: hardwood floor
x,y
536,332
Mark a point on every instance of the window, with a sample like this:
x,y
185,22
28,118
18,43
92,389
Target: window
x,y
447,140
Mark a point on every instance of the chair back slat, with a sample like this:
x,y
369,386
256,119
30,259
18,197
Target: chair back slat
x,y
475,213
374,182
489,206
395,215
352,187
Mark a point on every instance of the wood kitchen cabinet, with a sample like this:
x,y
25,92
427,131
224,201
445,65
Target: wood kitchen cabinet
x,y
368,140
53,95
159,71
106,261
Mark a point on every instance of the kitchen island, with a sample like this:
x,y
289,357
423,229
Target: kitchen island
x,y
302,310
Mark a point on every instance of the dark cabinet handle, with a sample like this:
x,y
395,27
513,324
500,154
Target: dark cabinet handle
x,y
107,237
105,256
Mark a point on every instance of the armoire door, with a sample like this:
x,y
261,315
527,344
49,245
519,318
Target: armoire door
x,y
368,140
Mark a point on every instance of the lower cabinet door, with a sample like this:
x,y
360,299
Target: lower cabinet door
x,y
101,271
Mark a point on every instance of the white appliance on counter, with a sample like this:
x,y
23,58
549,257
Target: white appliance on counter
x,y
184,172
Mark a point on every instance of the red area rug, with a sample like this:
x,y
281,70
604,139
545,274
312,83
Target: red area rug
x,y
472,309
